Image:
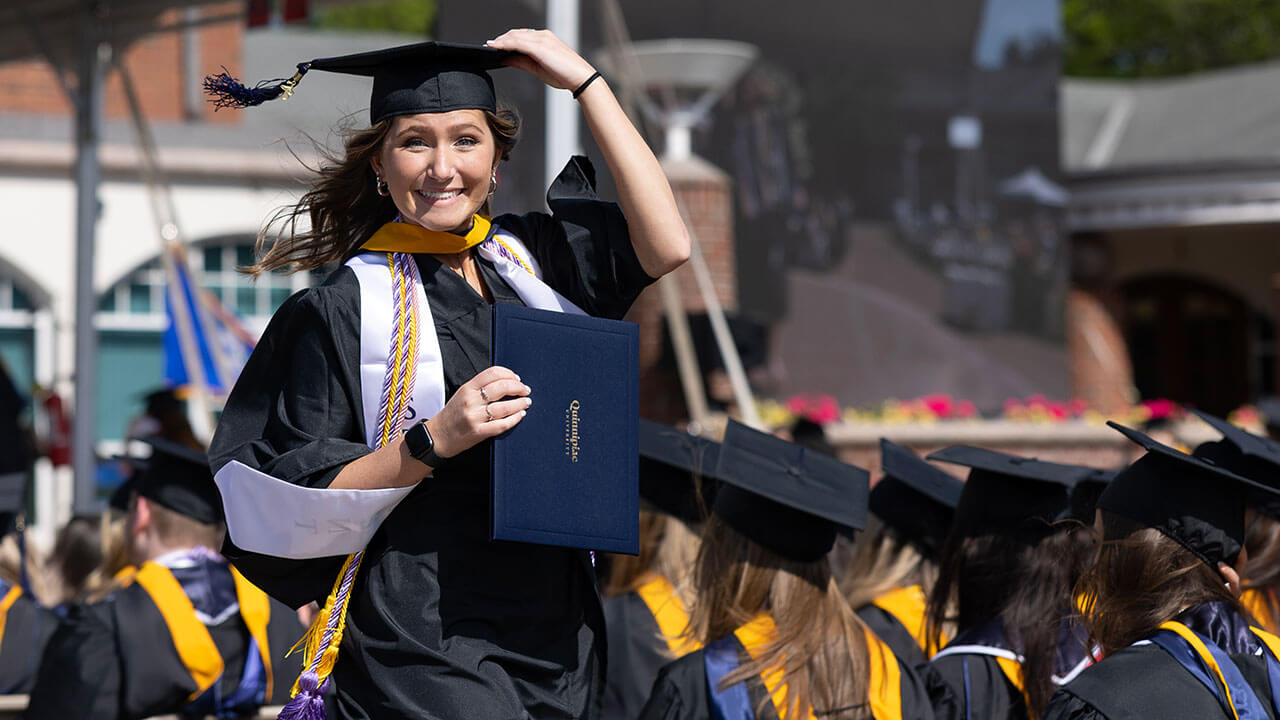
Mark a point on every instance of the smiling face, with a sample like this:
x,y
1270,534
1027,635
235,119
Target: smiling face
x,y
437,167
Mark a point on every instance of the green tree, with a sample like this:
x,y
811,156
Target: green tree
x,y
408,16
1152,38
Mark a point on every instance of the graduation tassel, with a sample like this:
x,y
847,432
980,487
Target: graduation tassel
x,y
225,91
325,635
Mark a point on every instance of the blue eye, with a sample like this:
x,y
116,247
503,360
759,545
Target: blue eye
x,y
415,142
468,142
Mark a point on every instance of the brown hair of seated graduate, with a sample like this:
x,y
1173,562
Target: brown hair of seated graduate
x,y
1142,579
343,209
883,561
1262,570
820,644
1026,578
668,547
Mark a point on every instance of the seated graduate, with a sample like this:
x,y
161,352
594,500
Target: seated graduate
x,y
1006,576
895,564
25,623
779,639
1256,458
647,598
1164,605
182,632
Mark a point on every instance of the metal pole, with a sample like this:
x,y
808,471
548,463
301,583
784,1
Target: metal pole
x,y
87,175
562,111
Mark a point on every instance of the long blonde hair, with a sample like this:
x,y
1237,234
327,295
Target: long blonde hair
x,y
820,644
883,561
668,548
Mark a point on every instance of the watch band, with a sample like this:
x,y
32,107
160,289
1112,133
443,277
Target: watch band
x,y
421,445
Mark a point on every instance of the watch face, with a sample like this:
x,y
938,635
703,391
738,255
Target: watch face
x,y
419,440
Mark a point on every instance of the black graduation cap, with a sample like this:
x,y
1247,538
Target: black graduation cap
x,y
1192,500
914,498
1085,494
1007,492
1252,456
785,497
178,478
427,77
677,470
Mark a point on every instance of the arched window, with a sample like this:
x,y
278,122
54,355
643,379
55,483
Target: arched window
x,y
131,320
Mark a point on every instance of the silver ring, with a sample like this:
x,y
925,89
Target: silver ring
x,y
488,414
484,395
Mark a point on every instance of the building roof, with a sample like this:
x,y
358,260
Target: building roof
x,y
251,147
1222,118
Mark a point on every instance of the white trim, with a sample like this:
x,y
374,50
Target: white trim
x,y
1073,672
1112,128
979,650
123,321
271,516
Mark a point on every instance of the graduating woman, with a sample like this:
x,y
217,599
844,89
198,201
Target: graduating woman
x,y
779,639
433,619
1165,609
1256,458
1006,578
647,597
894,567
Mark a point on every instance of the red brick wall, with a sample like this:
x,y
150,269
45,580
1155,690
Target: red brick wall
x,y
1100,370
704,193
156,64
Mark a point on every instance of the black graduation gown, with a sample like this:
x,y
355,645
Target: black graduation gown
x,y
27,629
637,651
1144,681
681,693
990,694
117,658
443,622
894,634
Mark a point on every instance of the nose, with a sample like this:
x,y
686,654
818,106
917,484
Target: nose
x,y
441,166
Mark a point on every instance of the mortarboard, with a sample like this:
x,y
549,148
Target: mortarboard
x,y
427,77
785,497
1192,500
1243,453
915,498
178,478
677,470
1007,492
1084,496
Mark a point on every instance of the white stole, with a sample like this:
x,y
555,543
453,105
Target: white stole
x,y
275,517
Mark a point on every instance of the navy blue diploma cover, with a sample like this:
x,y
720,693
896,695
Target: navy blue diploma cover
x,y
568,473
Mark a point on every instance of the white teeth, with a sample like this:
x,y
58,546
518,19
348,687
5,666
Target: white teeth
x,y
439,195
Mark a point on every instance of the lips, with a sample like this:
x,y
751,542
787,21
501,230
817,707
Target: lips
x,y
439,196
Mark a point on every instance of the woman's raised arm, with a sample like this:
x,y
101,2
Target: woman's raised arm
x,y
658,234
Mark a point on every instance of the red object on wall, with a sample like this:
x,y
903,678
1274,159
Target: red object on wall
x,y
258,12
58,447
294,10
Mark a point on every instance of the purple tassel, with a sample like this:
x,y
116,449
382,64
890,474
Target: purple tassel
x,y
308,704
225,91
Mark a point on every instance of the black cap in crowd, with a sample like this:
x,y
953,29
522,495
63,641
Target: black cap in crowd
x,y
1007,492
677,470
427,77
785,497
1085,494
914,498
1243,453
13,499
1193,500
178,478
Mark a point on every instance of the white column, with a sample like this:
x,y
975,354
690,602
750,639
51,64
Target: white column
x,y
562,110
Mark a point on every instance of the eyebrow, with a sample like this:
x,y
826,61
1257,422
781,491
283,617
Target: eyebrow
x,y
455,128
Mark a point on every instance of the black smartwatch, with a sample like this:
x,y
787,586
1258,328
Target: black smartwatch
x,y
421,446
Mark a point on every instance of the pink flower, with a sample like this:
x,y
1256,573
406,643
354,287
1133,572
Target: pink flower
x,y
966,409
797,404
938,404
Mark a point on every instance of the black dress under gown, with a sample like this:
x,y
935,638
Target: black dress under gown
x,y
443,622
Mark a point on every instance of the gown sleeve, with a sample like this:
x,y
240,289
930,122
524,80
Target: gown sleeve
x,y
294,415
583,247
79,673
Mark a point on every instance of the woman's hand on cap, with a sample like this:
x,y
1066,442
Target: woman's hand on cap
x,y
487,405
545,56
